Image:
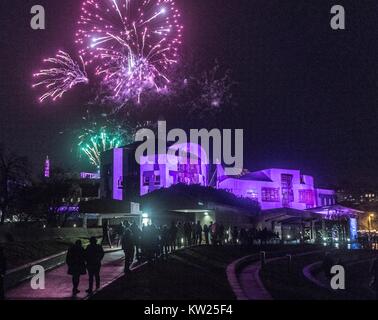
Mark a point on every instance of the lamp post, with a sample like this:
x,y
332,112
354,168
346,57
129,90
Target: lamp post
x,y
371,215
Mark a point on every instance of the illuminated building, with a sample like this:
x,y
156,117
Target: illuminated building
x,y
123,177
278,188
291,205
47,168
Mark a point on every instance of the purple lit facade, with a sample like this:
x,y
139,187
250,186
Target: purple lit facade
x,y
47,168
118,182
272,188
278,188
291,204
174,169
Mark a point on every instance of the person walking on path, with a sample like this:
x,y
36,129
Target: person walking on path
x,y
94,254
3,270
128,248
76,264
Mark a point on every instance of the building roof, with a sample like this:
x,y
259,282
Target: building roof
x,y
255,176
326,210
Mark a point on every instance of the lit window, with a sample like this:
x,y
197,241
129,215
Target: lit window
x,y
121,183
252,194
146,181
270,194
306,196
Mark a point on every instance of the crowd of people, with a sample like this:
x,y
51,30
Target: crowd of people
x,y
151,242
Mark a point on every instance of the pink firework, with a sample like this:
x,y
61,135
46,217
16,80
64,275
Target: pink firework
x,y
61,77
132,43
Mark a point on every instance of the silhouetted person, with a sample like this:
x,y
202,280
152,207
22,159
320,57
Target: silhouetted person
x,y
198,230
3,270
187,233
243,236
234,235
137,233
76,264
374,273
179,235
327,265
213,230
94,254
120,230
165,240
220,235
128,248
106,234
206,231
173,235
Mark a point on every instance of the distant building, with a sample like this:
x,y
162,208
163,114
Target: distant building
x,y
278,188
122,175
46,168
291,204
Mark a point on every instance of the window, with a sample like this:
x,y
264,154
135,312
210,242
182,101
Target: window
x,y
121,182
146,180
306,196
157,180
270,194
252,194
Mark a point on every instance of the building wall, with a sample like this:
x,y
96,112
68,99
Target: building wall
x,y
122,175
299,194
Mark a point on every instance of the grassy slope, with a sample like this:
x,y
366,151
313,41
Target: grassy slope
x,y
20,253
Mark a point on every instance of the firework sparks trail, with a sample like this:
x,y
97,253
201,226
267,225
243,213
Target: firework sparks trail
x,y
59,79
132,42
92,143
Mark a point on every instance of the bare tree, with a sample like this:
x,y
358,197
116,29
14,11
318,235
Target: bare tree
x,y
14,171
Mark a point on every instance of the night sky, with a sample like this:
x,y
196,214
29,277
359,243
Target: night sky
x,y
307,95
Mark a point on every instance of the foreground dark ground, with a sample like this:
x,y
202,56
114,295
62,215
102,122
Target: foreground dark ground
x,y
293,285
199,273
194,273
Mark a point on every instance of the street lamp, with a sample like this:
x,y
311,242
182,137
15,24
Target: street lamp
x,y
371,215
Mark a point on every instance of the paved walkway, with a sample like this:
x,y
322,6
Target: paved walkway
x,y
251,284
59,284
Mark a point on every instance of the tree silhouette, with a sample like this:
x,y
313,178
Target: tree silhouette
x,y
14,171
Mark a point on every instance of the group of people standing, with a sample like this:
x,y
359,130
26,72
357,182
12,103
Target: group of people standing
x,y
151,242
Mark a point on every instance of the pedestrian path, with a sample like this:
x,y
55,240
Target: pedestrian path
x,y
58,284
251,284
